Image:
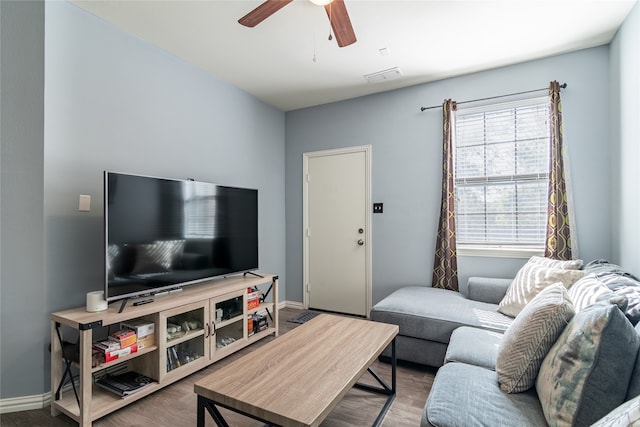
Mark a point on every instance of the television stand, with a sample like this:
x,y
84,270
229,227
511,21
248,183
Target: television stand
x,y
169,355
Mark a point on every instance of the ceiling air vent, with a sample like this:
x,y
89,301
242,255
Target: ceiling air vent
x,y
383,76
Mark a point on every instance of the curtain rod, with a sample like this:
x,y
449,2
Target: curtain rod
x,y
563,86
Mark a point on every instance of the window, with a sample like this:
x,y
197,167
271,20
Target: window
x,y
501,175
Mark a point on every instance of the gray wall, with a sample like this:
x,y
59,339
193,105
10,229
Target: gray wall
x,y
24,316
625,142
114,102
407,155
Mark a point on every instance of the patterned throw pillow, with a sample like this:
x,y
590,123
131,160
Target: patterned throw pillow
x,y
530,280
574,264
585,374
528,339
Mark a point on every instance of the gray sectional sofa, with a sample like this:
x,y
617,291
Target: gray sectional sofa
x,y
464,335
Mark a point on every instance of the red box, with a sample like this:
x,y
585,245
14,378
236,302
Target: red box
x,y
110,355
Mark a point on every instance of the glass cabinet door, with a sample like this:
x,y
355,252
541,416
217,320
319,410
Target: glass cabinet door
x,y
183,334
229,320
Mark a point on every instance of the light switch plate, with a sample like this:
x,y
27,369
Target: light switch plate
x,y
84,204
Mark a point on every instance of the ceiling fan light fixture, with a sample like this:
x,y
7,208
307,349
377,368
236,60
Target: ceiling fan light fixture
x,y
321,2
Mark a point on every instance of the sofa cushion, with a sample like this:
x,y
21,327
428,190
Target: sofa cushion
x,y
573,264
434,313
465,395
474,346
586,373
529,281
487,289
625,415
590,290
528,340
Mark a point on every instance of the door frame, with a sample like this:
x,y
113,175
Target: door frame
x,y
366,149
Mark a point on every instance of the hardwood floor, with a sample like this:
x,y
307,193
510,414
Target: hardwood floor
x,y
175,405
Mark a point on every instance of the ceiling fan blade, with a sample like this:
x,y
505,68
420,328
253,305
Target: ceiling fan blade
x,y
262,12
340,23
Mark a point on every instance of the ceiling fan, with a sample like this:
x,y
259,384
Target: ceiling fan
x,y
336,10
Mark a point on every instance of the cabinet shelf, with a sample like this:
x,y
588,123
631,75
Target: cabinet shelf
x,y
103,402
224,323
259,335
122,359
197,346
186,337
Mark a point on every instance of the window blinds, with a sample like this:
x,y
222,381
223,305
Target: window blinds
x,y
501,158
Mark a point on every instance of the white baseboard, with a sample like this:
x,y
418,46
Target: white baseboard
x,y
39,401
292,304
25,403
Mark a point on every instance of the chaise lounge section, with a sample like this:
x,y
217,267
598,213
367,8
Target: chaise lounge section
x,y
562,352
428,316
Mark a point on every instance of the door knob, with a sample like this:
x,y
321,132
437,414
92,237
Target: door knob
x,y
360,242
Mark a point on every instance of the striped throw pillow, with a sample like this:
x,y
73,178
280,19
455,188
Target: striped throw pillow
x,y
528,339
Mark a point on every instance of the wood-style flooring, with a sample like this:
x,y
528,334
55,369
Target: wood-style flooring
x,y
175,405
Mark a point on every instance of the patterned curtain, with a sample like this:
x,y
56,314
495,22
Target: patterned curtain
x,y
558,241
445,264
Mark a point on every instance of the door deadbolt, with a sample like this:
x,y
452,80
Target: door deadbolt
x,y
360,230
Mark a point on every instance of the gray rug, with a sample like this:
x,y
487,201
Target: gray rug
x,y
303,317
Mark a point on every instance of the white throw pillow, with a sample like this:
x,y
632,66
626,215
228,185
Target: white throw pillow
x,y
574,264
528,339
530,280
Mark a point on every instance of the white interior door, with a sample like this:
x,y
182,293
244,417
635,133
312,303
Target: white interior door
x,y
337,230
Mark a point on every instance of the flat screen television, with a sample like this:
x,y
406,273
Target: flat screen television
x,y
162,234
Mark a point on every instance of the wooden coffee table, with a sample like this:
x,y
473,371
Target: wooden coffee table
x,y
298,378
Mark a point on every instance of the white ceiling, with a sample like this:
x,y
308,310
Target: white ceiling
x,y
426,39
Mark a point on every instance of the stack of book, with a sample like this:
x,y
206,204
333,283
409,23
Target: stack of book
x,y
125,384
118,344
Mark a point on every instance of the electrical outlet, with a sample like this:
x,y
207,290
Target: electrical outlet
x,y
377,207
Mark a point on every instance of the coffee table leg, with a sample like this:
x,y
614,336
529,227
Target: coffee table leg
x,y
394,363
213,411
385,390
200,413
391,394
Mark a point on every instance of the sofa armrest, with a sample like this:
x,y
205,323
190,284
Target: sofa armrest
x,y
488,289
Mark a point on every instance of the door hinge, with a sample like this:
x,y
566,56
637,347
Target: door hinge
x,y
308,178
